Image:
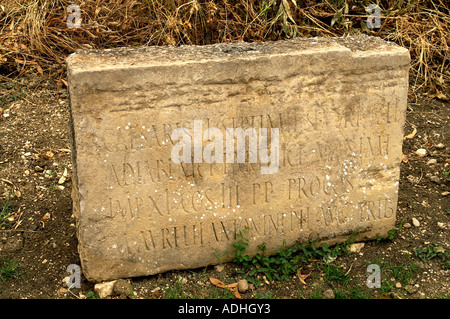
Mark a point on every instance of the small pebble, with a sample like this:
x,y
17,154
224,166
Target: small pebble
x,y
243,285
421,152
415,222
104,289
182,280
435,179
411,289
328,294
122,287
219,268
432,161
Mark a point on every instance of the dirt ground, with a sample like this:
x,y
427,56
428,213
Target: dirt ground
x,y
38,229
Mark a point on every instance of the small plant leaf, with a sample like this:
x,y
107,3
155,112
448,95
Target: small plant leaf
x,y
336,17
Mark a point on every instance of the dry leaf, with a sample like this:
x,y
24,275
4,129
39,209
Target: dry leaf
x,y
410,136
404,158
217,282
231,287
440,96
39,69
237,294
302,277
439,249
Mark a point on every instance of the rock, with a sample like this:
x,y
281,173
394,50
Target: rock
x,y
329,259
421,152
46,217
63,177
440,146
141,78
104,289
411,289
445,193
182,280
398,285
415,222
412,179
219,268
328,294
38,169
61,291
435,179
243,285
123,287
356,247
407,225
432,161
155,292
62,180
441,225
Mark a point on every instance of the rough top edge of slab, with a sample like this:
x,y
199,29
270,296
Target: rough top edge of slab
x,y
157,55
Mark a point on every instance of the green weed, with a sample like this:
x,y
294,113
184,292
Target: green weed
x,y
10,269
219,293
10,96
391,273
432,251
392,233
357,293
92,295
317,292
264,295
447,175
174,291
333,273
285,262
5,212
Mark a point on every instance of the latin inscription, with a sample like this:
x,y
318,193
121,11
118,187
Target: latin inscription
x,y
218,214
304,219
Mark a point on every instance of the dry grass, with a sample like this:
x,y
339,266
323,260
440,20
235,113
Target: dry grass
x,y
34,33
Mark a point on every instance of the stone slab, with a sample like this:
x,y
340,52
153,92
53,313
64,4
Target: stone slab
x,y
339,107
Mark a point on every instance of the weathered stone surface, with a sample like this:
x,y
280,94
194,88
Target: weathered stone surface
x,y
339,106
